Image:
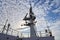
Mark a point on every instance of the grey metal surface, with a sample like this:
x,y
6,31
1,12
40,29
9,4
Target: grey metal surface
x,y
38,38
9,37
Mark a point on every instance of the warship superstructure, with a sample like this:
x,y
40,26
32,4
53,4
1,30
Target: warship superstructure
x,y
29,21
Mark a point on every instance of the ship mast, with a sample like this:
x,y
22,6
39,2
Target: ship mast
x,y
31,22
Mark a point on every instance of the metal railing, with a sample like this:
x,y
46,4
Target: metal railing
x,y
14,32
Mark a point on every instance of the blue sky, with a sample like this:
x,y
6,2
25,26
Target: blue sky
x,y
46,11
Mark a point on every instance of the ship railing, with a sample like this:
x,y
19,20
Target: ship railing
x,y
14,32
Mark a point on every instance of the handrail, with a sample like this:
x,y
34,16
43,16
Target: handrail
x,y
24,34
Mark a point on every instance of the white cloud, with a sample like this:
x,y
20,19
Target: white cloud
x,y
57,10
15,12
